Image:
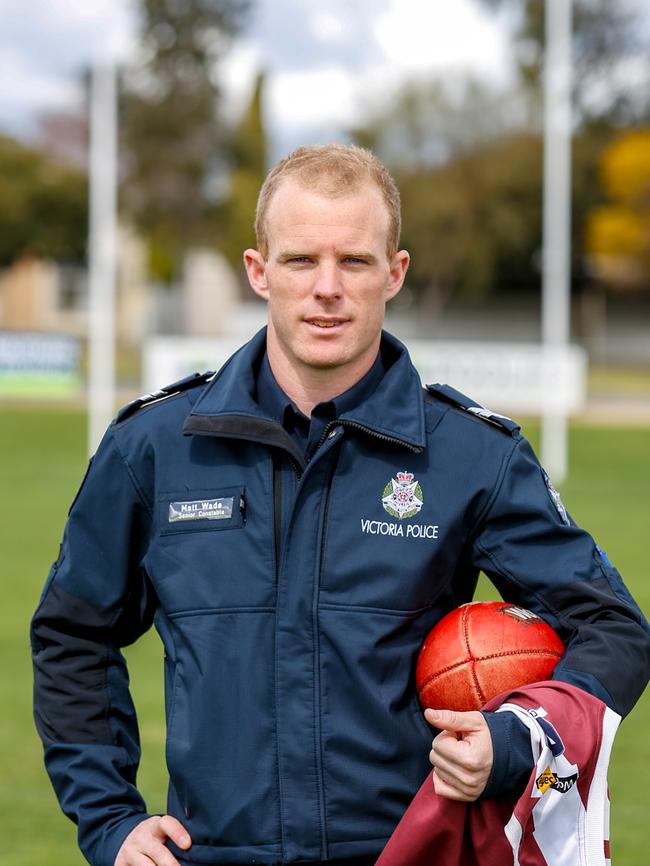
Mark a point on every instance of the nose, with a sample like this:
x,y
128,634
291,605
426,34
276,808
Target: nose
x,y
328,282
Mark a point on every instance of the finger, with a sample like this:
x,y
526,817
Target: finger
x,y
450,720
444,789
157,853
467,781
144,846
463,754
133,857
469,789
439,747
173,829
449,768
472,779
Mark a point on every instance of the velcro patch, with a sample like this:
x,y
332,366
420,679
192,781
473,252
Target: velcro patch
x,y
555,497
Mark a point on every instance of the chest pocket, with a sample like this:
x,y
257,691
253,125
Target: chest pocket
x,y
212,550
201,510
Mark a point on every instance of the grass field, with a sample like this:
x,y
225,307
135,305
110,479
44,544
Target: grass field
x,y
41,463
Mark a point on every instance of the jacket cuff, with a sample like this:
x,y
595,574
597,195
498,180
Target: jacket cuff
x,y
512,755
115,836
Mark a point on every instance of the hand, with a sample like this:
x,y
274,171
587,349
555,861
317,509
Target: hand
x,y
145,846
461,754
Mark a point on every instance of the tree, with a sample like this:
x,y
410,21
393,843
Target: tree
x,y
473,224
173,136
428,122
44,205
607,36
469,157
470,178
246,168
618,232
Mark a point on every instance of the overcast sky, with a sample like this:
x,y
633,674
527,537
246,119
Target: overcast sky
x,y
324,65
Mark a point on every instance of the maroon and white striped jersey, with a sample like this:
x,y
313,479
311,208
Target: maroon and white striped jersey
x,y
562,817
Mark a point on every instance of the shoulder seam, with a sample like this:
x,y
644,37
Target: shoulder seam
x,y
499,567
498,484
132,476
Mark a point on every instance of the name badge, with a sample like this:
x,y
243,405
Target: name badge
x,y
201,509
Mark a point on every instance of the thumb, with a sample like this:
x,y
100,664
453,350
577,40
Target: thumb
x,y
450,720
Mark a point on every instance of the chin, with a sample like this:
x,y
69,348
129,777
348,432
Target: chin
x,y
322,361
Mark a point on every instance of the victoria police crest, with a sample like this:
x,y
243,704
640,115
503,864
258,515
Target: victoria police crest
x,y
402,496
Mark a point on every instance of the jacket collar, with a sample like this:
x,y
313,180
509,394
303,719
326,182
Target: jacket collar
x,y
395,409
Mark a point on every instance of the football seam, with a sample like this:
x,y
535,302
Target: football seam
x,y
477,687
471,661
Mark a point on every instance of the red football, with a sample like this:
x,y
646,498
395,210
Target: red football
x,y
482,649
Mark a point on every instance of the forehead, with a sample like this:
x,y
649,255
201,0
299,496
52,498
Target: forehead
x,y
297,211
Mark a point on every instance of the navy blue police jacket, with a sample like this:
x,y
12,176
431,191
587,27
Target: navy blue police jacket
x,y
293,726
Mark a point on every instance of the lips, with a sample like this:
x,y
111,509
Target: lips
x,y
325,322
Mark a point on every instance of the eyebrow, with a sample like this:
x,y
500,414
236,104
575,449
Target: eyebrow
x,y
292,254
285,255
359,254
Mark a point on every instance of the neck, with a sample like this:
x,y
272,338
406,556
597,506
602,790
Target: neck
x,y
307,387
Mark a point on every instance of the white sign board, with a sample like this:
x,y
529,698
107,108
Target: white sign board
x,y
39,365
526,377
167,359
523,377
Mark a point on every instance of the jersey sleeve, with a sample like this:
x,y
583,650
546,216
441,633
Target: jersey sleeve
x,y
537,557
96,600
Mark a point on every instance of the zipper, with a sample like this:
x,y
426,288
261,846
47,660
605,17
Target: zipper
x,y
317,683
277,513
277,505
344,422
276,457
328,433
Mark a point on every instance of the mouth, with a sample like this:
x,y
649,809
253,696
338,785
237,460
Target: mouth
x,y
325,323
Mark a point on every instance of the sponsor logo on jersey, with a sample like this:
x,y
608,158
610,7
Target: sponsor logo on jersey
x,y
550,780
545,780
402,497
201,509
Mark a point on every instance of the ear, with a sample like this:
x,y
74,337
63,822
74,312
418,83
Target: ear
x,y
255,265
398,267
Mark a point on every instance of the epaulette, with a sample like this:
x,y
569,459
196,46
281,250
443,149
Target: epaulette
x,y
451,395
163,393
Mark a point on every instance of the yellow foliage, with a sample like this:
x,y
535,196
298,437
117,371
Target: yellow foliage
x,y
615,231
625,168
618,234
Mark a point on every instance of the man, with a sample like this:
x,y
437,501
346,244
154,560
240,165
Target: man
x,y
294,526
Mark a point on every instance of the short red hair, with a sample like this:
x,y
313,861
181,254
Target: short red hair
x,y
333,170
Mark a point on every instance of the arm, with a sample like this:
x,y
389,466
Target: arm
x,y
97,599
537,557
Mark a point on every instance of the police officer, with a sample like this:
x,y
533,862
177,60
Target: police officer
x,y
244,514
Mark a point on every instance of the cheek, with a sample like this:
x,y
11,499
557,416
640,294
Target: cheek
x,y
373,303
285,289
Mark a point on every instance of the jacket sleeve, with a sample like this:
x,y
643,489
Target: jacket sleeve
x,y
537,557
96,599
